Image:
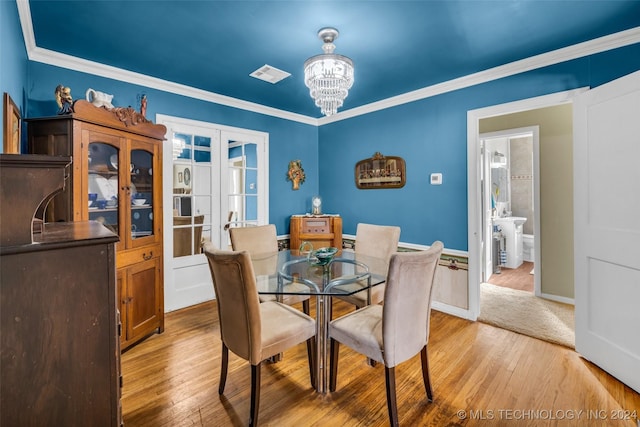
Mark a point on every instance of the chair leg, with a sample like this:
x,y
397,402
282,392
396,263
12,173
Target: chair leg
x,y
392,407
223,368
305,307
311,353
425,373
255,394
333,374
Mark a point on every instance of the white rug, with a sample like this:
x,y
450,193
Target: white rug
x,y
522,312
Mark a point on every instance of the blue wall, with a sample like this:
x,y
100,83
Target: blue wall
x,y
13,56
431,135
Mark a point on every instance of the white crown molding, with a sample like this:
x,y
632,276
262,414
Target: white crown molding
x,y
24,13
78,64
601,44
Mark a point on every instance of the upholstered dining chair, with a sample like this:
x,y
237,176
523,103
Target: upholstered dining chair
x,y
398,329
261,241
378,242
252,330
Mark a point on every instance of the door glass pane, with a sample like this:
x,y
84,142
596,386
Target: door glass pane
x,y
186,141
252,181
141,192
251,154
251,208
104,184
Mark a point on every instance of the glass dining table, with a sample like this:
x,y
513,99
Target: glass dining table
x,y
291,272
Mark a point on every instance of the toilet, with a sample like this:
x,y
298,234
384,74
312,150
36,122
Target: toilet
x,y
528,248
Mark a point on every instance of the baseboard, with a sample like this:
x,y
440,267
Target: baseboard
x,y
452,310
558,298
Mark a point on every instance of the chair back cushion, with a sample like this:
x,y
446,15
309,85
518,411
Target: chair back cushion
x,y
378,241
238,305
407,303
256,240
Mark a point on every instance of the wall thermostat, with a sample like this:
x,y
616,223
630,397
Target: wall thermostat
x,y
436,178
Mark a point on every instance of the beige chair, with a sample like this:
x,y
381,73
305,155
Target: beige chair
x,y
397,330
261,242
252,330
379,242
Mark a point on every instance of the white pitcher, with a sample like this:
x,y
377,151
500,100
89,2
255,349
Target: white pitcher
x,y
99,99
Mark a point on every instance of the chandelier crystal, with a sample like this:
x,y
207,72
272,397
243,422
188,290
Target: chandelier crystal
x,y
328,76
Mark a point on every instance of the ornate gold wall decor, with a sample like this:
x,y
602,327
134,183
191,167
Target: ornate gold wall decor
x,y
296,173
380,172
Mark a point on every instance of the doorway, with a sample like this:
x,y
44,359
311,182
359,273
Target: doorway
x,y
555,256
510,189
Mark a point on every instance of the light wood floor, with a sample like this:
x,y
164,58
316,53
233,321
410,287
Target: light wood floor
x,y
519,278
508,379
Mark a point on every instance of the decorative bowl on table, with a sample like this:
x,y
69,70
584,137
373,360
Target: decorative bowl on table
x,y
322,256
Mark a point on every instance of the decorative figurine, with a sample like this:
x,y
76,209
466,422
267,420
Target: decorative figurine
x,y
143,106
64,99
296,173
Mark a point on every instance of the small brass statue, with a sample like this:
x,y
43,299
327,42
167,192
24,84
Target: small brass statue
x,y
64,99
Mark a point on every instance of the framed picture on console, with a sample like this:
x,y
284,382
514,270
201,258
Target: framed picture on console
x,y
11,129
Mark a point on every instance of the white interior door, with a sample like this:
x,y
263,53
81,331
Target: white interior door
x,y
607,227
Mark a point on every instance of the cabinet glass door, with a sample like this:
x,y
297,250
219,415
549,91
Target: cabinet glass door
x,y
141,193
104,184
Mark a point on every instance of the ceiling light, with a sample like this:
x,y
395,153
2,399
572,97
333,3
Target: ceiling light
x,y
328,76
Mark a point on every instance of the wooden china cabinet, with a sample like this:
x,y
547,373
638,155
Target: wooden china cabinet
x,y
116,179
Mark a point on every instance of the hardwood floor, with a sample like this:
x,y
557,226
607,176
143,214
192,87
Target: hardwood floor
x,y
505,378
515,278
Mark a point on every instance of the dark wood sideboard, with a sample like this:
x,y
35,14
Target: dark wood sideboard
x,y
59,326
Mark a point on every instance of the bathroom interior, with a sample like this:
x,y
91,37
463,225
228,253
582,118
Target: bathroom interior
x,y
511,171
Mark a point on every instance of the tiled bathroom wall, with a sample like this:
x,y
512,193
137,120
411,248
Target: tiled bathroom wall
x,y
521,160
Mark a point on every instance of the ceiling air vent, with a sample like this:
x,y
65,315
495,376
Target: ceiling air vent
x,y
270,74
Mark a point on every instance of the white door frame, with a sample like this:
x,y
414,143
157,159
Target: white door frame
x,y
474,194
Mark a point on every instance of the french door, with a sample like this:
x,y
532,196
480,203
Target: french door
x,y
213,175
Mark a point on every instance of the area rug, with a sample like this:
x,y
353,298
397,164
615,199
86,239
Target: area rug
x,y
522,312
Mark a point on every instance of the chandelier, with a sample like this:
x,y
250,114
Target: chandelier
x,y
328,76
